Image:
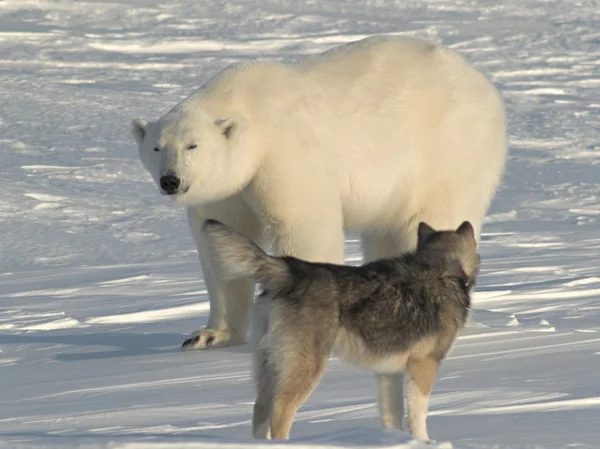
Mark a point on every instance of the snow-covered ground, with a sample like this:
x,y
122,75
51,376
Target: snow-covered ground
x,y
99,279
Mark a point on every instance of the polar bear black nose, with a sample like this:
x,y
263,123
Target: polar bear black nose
x,y
170,184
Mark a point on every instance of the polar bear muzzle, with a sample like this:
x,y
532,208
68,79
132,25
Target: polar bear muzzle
x,y
170,184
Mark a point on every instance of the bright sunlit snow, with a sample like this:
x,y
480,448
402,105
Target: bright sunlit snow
x,y
99,277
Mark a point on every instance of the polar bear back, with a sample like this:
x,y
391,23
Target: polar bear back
x,y
388,123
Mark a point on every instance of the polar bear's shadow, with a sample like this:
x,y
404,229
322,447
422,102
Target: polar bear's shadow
x,y
94,346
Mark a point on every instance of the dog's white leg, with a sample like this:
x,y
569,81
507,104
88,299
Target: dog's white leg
x,y
390,388
422,377
418,405
230,301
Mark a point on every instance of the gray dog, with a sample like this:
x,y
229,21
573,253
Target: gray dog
x,y
389,316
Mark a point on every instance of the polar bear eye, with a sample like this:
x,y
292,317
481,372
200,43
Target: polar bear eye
x,y
192,146
156,149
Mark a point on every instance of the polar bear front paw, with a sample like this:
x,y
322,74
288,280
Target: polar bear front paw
x,y
208,339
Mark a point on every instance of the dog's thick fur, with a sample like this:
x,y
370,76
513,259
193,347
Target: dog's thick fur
x,y
389,316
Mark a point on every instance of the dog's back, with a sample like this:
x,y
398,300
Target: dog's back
x,y
392,311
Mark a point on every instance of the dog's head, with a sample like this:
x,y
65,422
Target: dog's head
x,y
456,249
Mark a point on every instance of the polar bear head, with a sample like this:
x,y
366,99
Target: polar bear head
x,y
195,156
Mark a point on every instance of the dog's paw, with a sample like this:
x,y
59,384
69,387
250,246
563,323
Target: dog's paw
x,y
208,339
263,432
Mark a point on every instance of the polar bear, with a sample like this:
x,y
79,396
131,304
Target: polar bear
x,y
371,137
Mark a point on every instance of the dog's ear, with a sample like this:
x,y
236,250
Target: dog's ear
x,y
424,232
138,129
466,229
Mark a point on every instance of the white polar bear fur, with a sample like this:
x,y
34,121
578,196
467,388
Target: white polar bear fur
x,y
371,137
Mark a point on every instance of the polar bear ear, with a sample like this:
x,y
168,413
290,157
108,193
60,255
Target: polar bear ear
x,y
138,129
229,127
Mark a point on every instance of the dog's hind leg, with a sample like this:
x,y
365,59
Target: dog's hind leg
x,y
262,370
265,384
295,383
391,400
422,377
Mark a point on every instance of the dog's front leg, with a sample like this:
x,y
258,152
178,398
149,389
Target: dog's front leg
x,y
422,377
390,397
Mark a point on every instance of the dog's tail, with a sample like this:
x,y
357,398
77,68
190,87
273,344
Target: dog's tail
x,y
238,257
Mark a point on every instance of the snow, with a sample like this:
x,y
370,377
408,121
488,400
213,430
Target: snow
x,y
99,278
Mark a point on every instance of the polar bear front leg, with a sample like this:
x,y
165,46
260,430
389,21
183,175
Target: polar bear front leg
x,y
317,239
230,301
